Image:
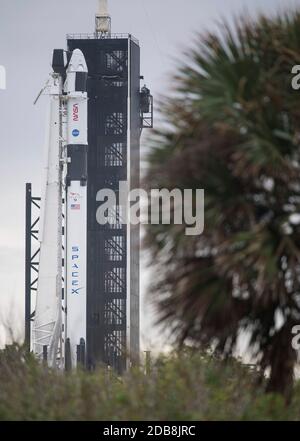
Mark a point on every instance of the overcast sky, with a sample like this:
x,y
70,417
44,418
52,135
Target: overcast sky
x,y
29,31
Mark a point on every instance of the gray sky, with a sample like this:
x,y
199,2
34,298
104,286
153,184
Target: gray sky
x,y
29,31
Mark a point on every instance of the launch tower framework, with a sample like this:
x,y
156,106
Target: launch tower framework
x,y
117,112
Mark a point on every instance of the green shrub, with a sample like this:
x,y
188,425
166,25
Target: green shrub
x,y
181,386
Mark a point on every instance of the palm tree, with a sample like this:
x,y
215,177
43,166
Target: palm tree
x,y
233,129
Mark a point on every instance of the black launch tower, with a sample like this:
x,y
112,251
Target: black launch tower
x,y
117,112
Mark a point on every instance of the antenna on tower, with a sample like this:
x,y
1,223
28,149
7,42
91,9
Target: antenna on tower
x,y
103,20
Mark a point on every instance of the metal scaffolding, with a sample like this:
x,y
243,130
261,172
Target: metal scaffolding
x,y
32,250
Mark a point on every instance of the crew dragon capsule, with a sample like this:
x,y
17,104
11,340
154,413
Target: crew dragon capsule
x,y
59,329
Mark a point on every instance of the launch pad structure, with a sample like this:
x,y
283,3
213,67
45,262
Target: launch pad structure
x,y
118,110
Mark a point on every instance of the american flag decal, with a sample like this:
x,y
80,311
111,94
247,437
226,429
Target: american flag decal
x,y
75,206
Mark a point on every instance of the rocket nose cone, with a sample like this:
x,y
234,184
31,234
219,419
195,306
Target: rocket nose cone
x,y
77,62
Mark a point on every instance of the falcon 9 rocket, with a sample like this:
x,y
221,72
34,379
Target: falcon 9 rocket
x,y
65,179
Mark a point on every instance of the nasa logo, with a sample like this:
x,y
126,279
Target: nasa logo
x,y
75,112
75,197
75,133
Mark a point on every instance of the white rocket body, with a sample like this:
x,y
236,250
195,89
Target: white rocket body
x,y
76,204
66,143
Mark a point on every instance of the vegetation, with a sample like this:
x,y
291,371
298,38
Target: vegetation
x,y
189,386
233,129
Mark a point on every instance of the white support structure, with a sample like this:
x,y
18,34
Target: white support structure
x,y
48,315
103,19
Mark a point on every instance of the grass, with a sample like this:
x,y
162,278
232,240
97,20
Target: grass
x,y
180,387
